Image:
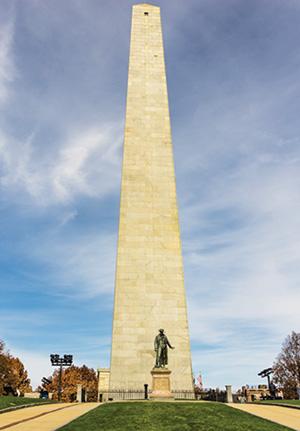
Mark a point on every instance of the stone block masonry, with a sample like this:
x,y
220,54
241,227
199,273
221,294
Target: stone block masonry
x,y
149,286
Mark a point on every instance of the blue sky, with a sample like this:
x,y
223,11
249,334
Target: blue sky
x,y
233,78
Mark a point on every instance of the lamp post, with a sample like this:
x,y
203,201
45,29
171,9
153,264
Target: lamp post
x,y
57,361
266,373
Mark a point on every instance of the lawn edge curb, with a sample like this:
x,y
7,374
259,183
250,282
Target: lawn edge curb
x,y
24,406
289,406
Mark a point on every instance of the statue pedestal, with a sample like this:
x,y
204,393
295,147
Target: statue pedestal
x,y
161,386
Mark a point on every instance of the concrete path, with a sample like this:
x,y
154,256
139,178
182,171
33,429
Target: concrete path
x,y
44,418
281,415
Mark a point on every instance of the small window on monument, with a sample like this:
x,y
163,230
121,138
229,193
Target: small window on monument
x,y
146,13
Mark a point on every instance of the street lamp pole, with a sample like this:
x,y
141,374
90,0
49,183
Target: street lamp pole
x,y
57,361
266,373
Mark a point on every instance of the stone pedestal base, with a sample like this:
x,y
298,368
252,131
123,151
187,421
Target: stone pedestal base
x,y
161,386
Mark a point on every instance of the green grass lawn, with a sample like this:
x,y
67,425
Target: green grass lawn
x,y
10,401
169,417
293,402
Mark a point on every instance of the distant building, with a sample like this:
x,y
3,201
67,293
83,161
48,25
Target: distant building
x,y
256,393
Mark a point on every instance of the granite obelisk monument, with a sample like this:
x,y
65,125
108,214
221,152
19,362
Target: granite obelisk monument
x,y
149,289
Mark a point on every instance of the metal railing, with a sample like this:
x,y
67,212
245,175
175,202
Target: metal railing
x,y
183,395
121,394
139,394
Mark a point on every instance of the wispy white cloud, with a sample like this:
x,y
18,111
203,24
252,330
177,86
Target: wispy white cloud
x,y
249,243
236,136
80,265
64,263
242,235
7,65
85,164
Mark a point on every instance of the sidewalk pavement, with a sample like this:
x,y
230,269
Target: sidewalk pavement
x,y
281,415
44,418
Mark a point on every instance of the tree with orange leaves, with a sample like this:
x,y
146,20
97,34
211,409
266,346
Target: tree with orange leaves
x,y
71,377
13,376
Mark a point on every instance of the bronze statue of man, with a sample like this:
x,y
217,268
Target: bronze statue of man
x,y
161,344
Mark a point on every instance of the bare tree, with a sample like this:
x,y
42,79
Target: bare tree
x,y
287,366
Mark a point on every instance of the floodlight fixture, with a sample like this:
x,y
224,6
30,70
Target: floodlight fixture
x,y
60,361
46,381
266,373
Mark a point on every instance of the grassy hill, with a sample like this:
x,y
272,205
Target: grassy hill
x,y
169,416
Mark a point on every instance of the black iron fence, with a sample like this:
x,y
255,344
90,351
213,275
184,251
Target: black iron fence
x,y
120,394
138,394
183,395
212,395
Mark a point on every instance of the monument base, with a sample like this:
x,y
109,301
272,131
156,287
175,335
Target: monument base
x,y
161,386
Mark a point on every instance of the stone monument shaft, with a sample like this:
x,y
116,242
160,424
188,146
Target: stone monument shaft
x,y
149,289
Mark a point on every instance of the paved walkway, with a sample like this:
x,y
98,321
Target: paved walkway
x,y
281,415
43,418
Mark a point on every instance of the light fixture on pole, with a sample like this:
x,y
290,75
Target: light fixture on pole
x,y
266,373
57,361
